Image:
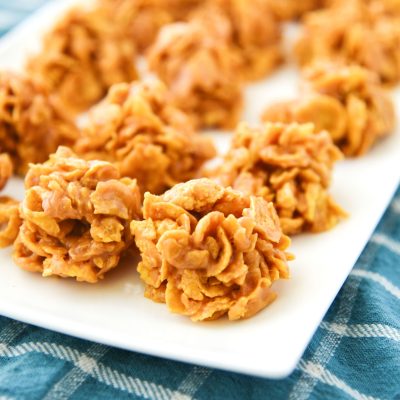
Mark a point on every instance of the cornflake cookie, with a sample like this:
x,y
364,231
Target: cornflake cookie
x,y
142,19
289,165
347,101
209,251
32,123
146,138
353,31
249,28
83,55
76,217
200,74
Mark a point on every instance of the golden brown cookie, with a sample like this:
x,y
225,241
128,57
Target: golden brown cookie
x,y
142,19
289,165
249,28
348,101
353,31
147,138
75,217
32,123
82,56
208,251
199,72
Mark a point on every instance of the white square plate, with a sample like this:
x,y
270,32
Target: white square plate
x,y
115,312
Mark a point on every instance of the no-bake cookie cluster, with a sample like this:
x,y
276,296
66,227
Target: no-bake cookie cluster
x,y
147,138
353,31
289,165
75,217
83,55
209,250
348,101
32,123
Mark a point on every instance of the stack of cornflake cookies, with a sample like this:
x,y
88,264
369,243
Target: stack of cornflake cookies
x,y
136,176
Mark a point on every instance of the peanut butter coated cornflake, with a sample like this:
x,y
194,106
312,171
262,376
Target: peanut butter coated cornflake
x,y
353,31
347,101
138,130
249,29
82,56
209,251
200,74
142,19
32,124
76,217
288,165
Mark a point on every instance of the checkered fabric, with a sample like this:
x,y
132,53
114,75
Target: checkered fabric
x,y
355,354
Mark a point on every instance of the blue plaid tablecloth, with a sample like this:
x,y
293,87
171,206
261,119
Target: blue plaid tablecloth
x,y
355,354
